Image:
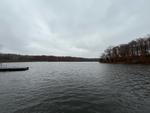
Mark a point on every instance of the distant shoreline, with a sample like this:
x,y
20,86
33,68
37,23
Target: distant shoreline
x,y
44,61
43,58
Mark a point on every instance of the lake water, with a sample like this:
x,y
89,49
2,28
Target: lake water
x,y
75,88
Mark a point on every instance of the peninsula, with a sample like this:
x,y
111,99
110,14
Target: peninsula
x,y
136,51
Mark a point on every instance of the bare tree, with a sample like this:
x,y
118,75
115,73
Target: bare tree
x,y
134,49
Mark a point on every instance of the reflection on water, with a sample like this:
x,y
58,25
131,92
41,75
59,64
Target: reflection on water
x,y
76,88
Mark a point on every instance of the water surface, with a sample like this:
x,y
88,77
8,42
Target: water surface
x,y
75,88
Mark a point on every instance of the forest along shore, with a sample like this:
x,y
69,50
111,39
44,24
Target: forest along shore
x,y
43,58
135,52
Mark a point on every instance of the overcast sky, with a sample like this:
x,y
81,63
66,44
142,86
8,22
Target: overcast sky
x,y
70,27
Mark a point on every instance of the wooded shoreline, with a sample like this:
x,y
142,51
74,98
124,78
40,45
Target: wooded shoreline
x,y
135,52
43,58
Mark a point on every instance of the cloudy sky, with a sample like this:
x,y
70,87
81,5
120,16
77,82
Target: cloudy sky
x,y
70,27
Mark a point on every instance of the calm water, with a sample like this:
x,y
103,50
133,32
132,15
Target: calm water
x,y
76,88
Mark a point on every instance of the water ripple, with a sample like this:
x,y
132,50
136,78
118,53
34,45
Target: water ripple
x,y
76,88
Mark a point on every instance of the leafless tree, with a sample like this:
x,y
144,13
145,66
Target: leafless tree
x,y
134,49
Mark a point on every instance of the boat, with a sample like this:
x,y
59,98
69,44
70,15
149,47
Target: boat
x,y
4,69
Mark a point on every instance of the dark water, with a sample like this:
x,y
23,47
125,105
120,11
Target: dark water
x,y
76,88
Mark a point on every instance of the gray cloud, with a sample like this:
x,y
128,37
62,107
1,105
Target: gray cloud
x,y
70,27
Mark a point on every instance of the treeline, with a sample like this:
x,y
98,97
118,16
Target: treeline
x,y
30,58
136,51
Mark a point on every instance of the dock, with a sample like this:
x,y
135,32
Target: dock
x,y
13,69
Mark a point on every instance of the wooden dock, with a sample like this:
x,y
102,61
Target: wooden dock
x,y
13,69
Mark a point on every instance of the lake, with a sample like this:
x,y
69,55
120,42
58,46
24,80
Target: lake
x,y
76,87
